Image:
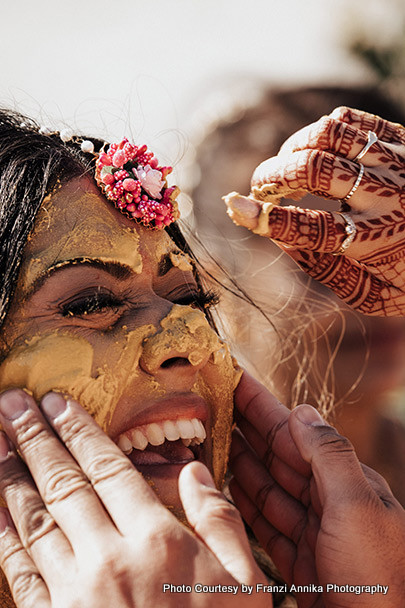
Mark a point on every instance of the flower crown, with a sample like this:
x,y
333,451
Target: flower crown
x,y
130,177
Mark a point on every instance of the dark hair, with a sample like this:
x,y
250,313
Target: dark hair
x,y
31,165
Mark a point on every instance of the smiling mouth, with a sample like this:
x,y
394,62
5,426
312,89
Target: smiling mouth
x,y
165,442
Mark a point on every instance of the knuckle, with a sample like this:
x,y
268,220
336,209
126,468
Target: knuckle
x,y
107,466
263,495
74,429
320,135
23,584
342,113
219,509
330,442
61,482
30,432
36,524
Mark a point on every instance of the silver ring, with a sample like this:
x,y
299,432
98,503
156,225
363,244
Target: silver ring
x,y
356,185
371,139
350,230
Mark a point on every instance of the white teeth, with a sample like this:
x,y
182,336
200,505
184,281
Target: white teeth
x,y
138,439
171,430
186,429
199,429
124,444
190,431
155,434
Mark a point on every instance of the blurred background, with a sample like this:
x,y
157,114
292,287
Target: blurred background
x,y
214,87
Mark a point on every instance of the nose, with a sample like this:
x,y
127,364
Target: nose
x,y
184,344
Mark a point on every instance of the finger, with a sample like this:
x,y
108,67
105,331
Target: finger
x,y
336,469
282,510
39,534
270,418
384,129
350,280
340,138
296,564
320,173
24,580
216,522
303,228
61,483
120,487
345,140
288,478
281,549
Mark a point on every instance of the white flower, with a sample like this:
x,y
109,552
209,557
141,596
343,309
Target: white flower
x,y
151,180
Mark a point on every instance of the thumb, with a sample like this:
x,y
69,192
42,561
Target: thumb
x,y
217,523
335,466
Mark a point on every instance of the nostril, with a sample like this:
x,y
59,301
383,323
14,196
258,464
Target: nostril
x,y
175,362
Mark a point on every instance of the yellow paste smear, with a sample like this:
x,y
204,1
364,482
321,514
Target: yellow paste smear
x,y
186,330
97,233
182,261
64,362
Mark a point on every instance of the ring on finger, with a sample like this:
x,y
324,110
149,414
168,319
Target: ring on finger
x,y
356,185
351,231
371,139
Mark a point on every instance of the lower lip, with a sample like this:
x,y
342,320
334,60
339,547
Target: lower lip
x,y
162,471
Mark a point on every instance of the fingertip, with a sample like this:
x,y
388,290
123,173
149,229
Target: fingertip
x,y
53,405
197,472
308,415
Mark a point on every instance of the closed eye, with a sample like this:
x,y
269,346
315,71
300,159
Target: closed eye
x,y
198,299
91,303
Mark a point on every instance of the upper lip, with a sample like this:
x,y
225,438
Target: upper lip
x,y
180,405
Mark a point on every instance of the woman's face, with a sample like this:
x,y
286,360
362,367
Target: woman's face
x,y
105,312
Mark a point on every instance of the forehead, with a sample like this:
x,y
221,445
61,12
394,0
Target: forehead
x,y
78,222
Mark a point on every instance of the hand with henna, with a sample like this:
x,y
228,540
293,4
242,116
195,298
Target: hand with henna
x,y
322,517
367,271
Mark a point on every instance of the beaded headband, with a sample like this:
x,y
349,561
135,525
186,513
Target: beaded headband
x,y
130,177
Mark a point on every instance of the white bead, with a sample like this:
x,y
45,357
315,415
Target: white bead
x,y
45,130
87,146
66,135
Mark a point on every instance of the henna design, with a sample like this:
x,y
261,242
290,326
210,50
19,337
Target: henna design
x,y
349,279
371,274
314,230
385,130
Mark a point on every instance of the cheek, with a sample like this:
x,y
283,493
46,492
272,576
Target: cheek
x,y
72,365
216,383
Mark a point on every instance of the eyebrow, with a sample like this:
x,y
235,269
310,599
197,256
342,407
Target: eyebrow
x,y
117,270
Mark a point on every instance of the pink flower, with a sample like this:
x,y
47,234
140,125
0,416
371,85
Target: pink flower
x,y
151,180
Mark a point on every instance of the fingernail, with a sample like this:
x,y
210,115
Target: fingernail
x,y
53,405
202,475
5,447
13,403
309,415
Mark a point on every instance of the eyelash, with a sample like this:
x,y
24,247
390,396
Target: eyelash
x,y
200,299
92,303
97,302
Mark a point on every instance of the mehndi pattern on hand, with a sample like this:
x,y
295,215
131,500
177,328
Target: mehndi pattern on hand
x,y
321,159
